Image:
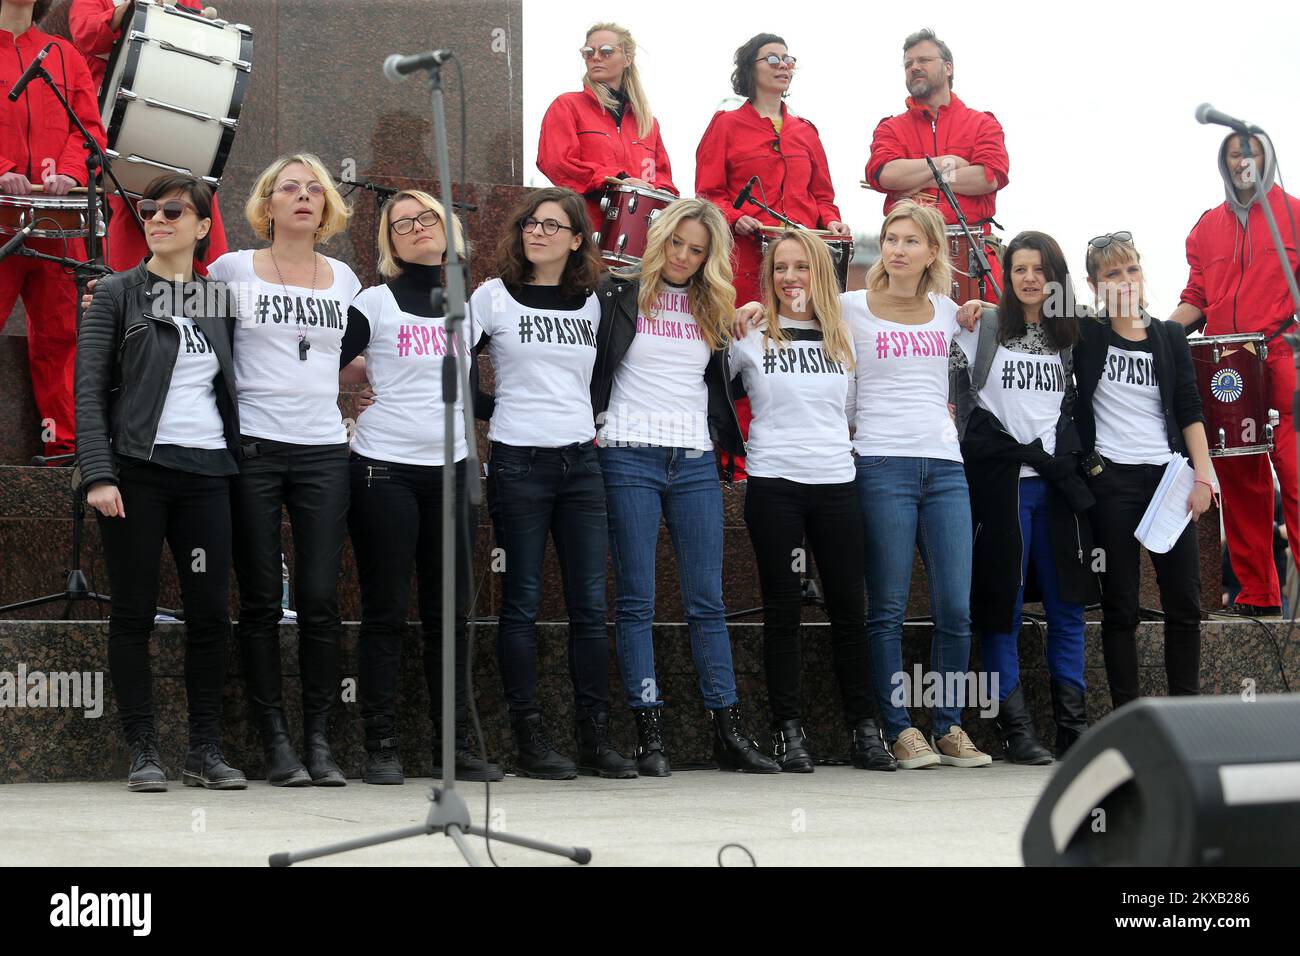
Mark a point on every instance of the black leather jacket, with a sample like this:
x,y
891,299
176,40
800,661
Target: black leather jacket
x,y
618,310
125,357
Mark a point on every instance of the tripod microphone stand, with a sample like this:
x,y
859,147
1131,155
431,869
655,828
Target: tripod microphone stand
x,y
449,814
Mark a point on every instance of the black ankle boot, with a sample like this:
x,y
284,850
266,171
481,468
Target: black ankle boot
x,y
206,767
316,752
1019,742
283,768
537,757
470,766
596,758
651,761
1070,708
732,747
869,750
790,747
383,762
146,773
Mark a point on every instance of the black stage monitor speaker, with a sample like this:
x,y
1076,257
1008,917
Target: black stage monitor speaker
x,y
1189,781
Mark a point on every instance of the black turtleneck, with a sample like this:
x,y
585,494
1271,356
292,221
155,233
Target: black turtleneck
x,y
412,289
620,98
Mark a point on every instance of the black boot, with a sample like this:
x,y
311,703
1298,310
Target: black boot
x,y
283,768
537,758
596,758
1070,708
790,747
469,765
316,752
651,761
383,763
869,750
732,747
206,767
1019,742
146,773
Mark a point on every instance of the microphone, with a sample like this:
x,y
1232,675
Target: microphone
x,y
744,193
29,74
397,66
1207,114
12,245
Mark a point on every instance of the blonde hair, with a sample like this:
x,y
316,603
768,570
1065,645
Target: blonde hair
x,y
824,300
388,261
636,97
711,295
258,208
938,275
1113,253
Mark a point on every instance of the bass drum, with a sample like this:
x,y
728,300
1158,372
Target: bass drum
x,y
172,94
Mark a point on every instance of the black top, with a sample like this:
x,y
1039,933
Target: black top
x,y
546,297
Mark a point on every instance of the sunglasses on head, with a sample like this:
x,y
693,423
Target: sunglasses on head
x,y
1101,242
172,209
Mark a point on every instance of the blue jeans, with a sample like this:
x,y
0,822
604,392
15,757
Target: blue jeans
x,y
1064,618
681,485
534,493
922,500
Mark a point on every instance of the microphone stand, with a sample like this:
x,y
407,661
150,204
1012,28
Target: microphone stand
x,y
979,260
449,814
773,213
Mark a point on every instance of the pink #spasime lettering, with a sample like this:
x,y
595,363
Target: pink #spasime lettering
x,y
911,344
421,340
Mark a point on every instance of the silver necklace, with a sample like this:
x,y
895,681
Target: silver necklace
x,y
303,343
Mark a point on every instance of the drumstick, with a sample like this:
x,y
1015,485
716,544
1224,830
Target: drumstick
x,y
79,190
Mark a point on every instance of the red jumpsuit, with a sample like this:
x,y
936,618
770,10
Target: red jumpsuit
x,y
955,130
581,144
89,22
1237,281
795,181
37,140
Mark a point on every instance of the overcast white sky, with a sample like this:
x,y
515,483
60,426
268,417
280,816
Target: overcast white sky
x,y
1096,98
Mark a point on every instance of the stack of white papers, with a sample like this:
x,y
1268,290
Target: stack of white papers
x,y
1168,514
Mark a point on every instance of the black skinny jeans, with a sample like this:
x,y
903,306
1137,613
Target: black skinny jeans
x,y
192,514
312,481
1123,493
396,521
779,513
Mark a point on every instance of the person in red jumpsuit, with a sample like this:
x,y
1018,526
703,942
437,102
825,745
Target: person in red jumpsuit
x,y
39,147
763,138
95,26
1236,285
967,145
606,129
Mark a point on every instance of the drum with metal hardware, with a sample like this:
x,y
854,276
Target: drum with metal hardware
x,y
965,279
1232,378
628,212
54,217
840,248
172,94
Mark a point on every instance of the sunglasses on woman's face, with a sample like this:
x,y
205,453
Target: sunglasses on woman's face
x,y
172,209
773,60
605,51
1101,242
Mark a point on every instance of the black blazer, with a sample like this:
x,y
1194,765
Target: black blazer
x,y
1174,374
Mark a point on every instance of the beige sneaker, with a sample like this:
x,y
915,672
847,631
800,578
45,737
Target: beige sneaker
x,y
956,750
912,752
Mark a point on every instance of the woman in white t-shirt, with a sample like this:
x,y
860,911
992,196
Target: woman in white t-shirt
x,y
911,482
798,368
1029,501
398,338
293,308
544,478
662,394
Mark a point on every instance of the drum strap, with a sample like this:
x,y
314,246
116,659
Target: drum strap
x,y
1281,329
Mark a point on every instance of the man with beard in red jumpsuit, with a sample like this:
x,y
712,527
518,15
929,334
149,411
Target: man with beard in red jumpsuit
x,y
39,146
1236,285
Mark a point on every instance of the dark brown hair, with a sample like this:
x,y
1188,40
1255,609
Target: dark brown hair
x,y
197,192
1060,325
583,269
742,77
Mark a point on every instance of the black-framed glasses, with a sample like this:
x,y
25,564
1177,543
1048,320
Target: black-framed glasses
x,y
773,60
549,226
291,187
1101,242
428,219
172,209
605,51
